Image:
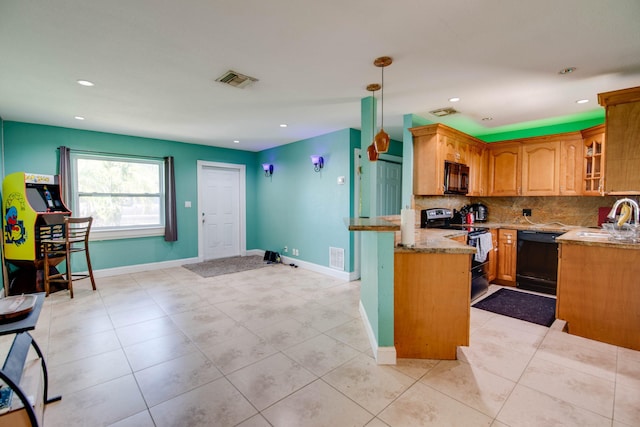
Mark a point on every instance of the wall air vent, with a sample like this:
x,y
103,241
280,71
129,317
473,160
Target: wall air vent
x,y
336,258
441,112
235,79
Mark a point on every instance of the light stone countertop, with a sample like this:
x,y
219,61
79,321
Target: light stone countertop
x,y
435,240
371,224
591,237
427,240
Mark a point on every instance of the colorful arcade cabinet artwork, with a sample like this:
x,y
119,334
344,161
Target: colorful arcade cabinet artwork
x,y
32,211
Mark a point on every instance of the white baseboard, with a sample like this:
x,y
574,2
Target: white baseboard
x,y
343,275
383,355
128,269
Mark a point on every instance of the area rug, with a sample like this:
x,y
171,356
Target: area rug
x,y
520,305
217,267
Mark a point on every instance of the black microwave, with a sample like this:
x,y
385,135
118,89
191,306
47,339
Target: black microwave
x,y
456,178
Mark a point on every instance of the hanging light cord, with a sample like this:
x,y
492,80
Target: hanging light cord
x,y
382,101
373,118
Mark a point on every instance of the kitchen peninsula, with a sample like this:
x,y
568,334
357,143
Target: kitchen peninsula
x,y
598,290
415,301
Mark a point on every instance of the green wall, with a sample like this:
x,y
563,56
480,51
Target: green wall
x,y
34,148
303,209
550,129
296,206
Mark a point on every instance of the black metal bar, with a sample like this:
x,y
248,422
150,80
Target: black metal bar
x,y
23,398
45,373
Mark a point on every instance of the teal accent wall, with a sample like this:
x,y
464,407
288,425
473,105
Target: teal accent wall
x,y
303,209
395,148
34,148
376,291
368,173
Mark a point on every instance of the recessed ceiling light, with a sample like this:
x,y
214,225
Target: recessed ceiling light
x,y
582,101
85,83
487,119
454,99
79,118
235,141
567,70
283,125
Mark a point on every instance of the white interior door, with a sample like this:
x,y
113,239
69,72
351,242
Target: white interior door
x,y
221,210
389,188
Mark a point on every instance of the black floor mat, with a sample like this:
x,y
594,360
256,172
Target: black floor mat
x,y
520,305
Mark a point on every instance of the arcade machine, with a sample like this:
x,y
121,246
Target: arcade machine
x,y
33,210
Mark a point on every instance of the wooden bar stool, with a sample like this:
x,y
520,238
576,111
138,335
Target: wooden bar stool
x,y
76,239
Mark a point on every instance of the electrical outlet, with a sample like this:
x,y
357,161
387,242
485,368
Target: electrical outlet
x,y
286,249
526,212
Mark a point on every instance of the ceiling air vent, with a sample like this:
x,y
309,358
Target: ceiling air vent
x,y
235,79
441,112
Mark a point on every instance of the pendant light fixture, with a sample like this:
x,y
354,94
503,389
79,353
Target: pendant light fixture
x,y
372,153
381,140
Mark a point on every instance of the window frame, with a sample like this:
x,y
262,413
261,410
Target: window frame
x,y
120,232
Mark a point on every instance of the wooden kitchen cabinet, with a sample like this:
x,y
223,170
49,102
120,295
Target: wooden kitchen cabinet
x,y
571,165
432,293
622,161
594,161
504,169
432,146
507,256
428,160
598,292
492,257
540,168
478,169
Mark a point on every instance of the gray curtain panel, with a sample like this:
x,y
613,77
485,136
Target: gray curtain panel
x,y
64,172
170,223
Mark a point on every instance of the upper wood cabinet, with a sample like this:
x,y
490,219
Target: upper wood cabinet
x,y
428,160
477,159
571,165
504,169
541,168
432,146
593,161
552,165
622,162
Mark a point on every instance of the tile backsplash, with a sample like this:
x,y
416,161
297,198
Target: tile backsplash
x,y
582,211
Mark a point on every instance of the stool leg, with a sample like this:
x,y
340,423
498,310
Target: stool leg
x,y
86,252
69,273
46,269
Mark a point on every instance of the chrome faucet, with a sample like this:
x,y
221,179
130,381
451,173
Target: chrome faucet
x,y
634,208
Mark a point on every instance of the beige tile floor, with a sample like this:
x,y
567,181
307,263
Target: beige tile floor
x,y
280,346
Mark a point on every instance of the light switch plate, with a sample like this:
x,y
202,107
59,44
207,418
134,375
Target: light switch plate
x,y
187,204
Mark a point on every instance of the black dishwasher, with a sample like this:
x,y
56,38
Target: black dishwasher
x,y
537,261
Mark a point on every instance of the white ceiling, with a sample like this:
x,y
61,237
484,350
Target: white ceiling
x,y
154,64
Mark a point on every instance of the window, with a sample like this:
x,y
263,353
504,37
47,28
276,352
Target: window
x,y
125,196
